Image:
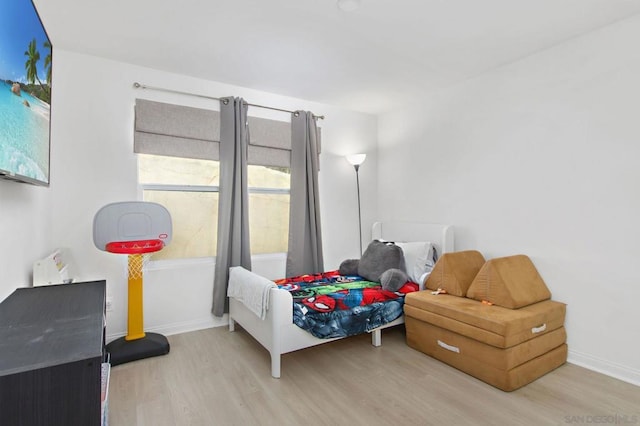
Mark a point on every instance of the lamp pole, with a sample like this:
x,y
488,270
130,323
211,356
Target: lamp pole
x,y
356,160
357,167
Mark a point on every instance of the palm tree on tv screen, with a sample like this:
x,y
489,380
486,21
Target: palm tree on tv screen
x,y
33,56
47,62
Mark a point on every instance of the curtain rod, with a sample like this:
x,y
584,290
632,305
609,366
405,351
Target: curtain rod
x,y
162,89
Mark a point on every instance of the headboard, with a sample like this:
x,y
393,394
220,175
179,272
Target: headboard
x,y
441,236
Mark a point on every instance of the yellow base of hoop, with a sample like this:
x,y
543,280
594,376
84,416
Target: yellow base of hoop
x,y
135,322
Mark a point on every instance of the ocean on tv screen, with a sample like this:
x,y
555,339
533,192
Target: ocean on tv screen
x,y
24,134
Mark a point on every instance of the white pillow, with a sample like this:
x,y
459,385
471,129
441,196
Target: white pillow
x,y
418,259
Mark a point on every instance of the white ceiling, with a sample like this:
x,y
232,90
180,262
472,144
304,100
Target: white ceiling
x,y
371,60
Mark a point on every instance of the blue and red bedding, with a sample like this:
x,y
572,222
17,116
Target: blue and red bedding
x,y
331,305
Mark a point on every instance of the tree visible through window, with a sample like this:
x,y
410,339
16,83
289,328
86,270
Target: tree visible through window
x,y
188,188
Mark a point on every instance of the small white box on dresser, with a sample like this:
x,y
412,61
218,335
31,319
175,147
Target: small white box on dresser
x,y
56,268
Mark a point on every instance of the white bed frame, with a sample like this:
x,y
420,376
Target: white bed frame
x,y
277,332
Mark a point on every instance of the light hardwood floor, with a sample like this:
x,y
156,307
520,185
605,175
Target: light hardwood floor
x,y
214,377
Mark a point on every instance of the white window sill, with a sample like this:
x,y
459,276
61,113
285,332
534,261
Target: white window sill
x,y
157,265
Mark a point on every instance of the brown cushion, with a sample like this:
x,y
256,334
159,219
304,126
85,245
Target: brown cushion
x,y
494,325
506,369
455,271
511,282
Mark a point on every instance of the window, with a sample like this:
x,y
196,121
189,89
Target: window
x,y
268,208
188,188
178,152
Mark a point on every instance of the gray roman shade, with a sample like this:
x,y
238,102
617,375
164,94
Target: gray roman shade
x,y
181,131
269,142
176,130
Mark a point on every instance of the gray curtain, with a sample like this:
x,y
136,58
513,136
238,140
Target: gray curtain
x,y
305,236
233,201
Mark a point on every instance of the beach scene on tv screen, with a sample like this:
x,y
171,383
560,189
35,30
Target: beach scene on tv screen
x,y
25,92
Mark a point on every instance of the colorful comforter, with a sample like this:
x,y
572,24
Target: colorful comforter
x,y
331,305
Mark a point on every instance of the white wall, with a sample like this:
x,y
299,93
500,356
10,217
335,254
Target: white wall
x,y
539,157
25,233
93,164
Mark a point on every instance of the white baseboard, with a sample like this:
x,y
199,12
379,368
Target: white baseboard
x,y
609,368
181,327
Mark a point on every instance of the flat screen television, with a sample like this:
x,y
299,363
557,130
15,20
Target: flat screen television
x,y
25,94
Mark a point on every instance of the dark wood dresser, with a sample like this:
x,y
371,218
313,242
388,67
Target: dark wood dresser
x,y
52,341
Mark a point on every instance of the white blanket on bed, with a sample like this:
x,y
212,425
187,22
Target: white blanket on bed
x,y
250,289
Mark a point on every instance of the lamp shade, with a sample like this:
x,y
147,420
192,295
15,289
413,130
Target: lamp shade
x,y
356,159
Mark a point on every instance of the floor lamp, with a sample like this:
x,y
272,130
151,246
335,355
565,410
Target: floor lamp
x,y
356,160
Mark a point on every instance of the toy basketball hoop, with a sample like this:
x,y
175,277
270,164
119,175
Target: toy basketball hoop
x,y
139,253
134,247
137,229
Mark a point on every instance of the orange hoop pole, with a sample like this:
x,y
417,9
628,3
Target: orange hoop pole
x,y
135,326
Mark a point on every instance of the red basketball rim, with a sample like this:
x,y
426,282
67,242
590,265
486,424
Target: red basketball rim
x,y
134,247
